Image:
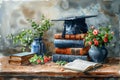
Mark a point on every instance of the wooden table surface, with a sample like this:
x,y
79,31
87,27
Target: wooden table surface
x,y
110,69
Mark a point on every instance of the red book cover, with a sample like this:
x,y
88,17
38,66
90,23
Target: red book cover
x,y
72,51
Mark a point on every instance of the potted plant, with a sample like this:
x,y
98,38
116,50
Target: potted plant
x,y
98,39
26,36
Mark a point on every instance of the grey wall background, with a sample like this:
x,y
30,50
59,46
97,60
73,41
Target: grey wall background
x,y
13,15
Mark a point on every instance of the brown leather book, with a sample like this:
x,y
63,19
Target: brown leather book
x,y
20,58
72,51
70,36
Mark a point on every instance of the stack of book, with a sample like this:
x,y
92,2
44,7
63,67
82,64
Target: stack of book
x,y
20,58
70,47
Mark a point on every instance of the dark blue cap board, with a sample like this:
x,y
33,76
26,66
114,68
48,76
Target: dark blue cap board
x,y
74,24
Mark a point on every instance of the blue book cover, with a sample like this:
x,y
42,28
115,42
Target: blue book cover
x,y
68,58
62,43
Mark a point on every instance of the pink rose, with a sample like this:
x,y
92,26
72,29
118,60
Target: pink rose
x,y
96,43
105,39
95,32
90,42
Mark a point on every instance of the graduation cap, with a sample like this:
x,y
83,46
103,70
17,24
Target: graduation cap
x,y
74,24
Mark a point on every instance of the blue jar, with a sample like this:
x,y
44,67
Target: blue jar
x,y
35,46
38,47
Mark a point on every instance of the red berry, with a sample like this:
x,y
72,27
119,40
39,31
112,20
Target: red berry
x,y
45,60
38,61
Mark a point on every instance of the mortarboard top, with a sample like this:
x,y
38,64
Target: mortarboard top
x,y
74,24
74,18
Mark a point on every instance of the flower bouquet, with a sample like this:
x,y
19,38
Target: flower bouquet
x,y
97,39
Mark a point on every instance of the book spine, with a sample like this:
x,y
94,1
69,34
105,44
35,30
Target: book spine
x,y
61,43
72,51
70,36
68,58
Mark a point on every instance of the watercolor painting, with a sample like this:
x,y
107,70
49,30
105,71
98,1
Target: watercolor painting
x,y
39,37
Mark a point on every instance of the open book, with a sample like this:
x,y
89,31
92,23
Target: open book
x,y
81,65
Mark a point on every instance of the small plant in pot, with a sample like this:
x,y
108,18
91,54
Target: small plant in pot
x,y
98,39
27,36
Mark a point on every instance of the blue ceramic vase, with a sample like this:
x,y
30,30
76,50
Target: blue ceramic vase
x,y
98,54
38,46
